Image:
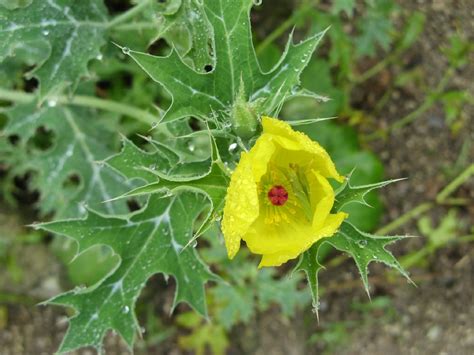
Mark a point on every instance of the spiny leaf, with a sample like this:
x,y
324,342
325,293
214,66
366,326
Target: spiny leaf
x,y
188,31
149,242
365,248
203,94
181,23
62,147
212,183
356,194
362,247
309,264
72,30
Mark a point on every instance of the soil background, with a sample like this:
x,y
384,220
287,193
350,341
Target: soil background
x,y
436,317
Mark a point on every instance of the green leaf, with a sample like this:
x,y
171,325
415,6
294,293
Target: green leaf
x,y
309,264
447,231
362,247
301,108
412,30
283,291
148,242
63,147
204,94
181,23
13,4
212,183
203,336
347,193
233,303
343,5
375,28
73,32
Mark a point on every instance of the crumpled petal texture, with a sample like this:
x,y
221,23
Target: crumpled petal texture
x,y
281,157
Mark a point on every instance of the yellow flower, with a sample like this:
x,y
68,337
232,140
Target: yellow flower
x,y
279,199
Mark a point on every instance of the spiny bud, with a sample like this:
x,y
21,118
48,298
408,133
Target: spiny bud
x,y
243,116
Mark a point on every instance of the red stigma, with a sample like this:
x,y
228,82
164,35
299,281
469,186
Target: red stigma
x,y
278,195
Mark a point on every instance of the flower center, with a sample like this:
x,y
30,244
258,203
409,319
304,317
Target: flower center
x,y
278,195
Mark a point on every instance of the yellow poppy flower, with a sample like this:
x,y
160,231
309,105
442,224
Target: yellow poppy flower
x,y
279,199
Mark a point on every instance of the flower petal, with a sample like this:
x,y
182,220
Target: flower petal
x,y
292,140
322,198
264,238
260,154
331,225
241,206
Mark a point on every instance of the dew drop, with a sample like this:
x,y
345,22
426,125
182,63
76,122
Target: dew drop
x,y
125,309
52,103
257,2
191,147
362,243
232,147
45,32
126,50
100,57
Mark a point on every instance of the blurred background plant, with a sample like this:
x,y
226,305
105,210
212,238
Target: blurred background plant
x,y
380,86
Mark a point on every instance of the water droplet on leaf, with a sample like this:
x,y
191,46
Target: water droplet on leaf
x,y
232,147
52,103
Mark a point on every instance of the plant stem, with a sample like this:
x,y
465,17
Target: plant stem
x,y
17,299
128,14
427,104
453,185
414,212
376,68
86,101
426,206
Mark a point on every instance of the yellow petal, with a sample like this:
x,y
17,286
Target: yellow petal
x,y
260,154
331,225
291,236
241,205
300,143
322,198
